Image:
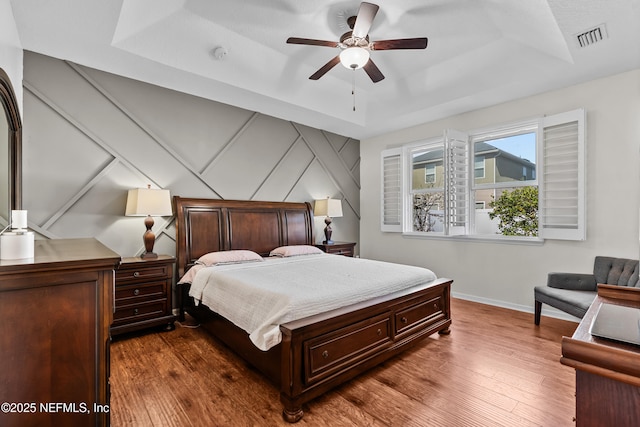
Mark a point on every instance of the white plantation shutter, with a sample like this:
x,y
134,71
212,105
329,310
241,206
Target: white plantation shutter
x,y
456,149
562,184
392,196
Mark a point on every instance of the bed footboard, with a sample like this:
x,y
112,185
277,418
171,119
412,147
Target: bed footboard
x,y
321,352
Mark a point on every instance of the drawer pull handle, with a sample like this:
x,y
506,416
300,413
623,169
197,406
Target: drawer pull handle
x,y
136,274
136,292
404,320
379,331
325,354
135,311
435,306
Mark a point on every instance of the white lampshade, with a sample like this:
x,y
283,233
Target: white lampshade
x,y
147,201
328,207
354,57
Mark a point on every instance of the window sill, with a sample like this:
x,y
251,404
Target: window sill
x,y
509,240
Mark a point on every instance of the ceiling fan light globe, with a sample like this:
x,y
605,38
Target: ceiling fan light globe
x,y
354,57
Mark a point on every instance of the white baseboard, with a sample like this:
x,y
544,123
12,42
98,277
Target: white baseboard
x,y
549,312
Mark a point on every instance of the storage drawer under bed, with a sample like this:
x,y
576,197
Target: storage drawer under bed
x,y
338,349
426,312
344,347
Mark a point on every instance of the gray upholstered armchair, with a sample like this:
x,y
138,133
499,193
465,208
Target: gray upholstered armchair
x,y
574,292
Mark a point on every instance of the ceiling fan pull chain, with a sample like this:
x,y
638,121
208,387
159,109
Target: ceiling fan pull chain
x,y
353,88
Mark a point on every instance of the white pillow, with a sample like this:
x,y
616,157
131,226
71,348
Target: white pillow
x,y
284,251
228,257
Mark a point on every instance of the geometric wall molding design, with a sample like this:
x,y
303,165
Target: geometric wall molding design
x,y
89,136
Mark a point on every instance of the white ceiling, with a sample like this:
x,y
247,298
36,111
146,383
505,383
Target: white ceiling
x,y
480,52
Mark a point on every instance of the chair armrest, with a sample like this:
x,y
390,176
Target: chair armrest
x,y
572,281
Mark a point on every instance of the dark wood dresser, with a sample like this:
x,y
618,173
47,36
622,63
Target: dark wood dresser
x,y
338,248
143,294
55,312
607,372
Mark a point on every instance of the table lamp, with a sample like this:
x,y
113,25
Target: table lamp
x,y
329,208
148,202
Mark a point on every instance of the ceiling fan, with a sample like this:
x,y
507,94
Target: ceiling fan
x,y
355,45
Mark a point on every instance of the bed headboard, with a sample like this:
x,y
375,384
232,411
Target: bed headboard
x,y
208,225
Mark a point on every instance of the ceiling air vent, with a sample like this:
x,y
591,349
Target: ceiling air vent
x,y
592,36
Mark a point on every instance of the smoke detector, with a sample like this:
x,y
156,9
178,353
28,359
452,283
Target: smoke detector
x,y
219,53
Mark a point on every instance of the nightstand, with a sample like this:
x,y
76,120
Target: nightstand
x,y
143,294
338,248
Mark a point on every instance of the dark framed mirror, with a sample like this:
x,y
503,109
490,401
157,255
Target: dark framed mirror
x,y
11,149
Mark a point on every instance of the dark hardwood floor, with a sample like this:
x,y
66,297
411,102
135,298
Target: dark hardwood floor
x,y
496,368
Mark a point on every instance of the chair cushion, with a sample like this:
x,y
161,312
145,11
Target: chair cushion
x,y
573,302
616,271
573,281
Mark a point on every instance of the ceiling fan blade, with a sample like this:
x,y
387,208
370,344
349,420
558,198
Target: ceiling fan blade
x,y
326,67
417,43
366,13
312,42
373,71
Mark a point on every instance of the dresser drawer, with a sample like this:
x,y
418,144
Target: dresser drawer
x,y
139,292
422,314
334,351
137,312
142,272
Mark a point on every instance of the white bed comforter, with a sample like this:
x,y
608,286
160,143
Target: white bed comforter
x,y
258,297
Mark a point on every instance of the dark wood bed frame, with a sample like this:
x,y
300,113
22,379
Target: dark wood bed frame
x,y
319,352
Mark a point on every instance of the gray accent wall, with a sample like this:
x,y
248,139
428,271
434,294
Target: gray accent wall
x,y
89,136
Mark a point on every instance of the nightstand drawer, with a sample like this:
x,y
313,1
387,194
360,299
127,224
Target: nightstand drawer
x,y
346,251
338,248
141,273
140,292
136,312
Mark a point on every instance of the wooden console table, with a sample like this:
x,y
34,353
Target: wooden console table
x,y
607,372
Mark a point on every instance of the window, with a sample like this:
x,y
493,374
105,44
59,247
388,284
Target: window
x,y
536,166
510,154
427,196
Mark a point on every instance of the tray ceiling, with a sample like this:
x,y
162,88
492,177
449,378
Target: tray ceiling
x,y
480,52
